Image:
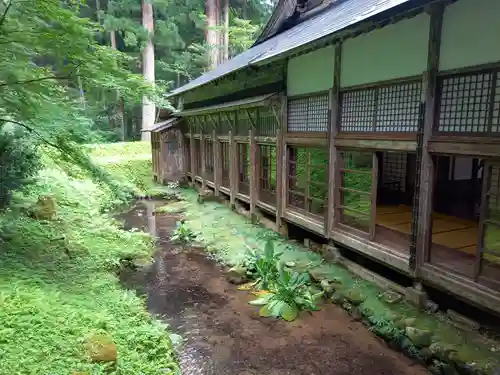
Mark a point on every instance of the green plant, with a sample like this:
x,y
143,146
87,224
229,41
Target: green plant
x,y
263,267
183,234
290,295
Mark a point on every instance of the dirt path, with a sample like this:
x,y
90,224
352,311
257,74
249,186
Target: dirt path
x,y
225,335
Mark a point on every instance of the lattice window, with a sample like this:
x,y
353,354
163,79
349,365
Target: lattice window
x,y
355,203
197,157
225,120
209,160
267,124
390,108
307,179
308,114
226,162
244,168
267,174
244,123
469,103
394,171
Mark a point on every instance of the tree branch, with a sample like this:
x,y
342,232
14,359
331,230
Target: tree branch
x,y
35,80
4,15
31,130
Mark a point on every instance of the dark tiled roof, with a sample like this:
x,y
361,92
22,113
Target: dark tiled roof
x,y
333,19
244,103
159,126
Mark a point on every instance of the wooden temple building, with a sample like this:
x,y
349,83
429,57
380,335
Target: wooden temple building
x,y
374,124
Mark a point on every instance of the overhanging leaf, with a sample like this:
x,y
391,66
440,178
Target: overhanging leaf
x,y
289,312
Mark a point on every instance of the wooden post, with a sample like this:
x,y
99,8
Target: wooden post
x,y
191,151
281,168
217,162
202,158
332,133
233,166
254,182
428,106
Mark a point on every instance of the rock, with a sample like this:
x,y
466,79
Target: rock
x,y
183,182
356,314
419,337
327,288
391,297
354,296
425,354
101,349
205,195
402,323
237,275
44,208
442,351
337,298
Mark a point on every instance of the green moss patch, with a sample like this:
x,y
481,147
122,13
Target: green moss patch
x,y
62,309
228,234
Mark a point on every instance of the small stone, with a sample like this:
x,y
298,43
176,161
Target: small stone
x,y
237,275
101,349
356,314
419,337
327,288
391,297
354,296
44,208
337,298
442,350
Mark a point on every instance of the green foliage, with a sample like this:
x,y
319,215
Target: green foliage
x,y
289,295
263,267
19,161
55,287
182,234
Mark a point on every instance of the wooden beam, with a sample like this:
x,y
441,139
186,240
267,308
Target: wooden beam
x,y
428,106
376,144
332,133
469,147
281,166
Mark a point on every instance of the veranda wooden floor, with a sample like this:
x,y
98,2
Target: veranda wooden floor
x,y
453,242
447,231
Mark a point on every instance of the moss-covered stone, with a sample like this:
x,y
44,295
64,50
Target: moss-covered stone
x,y
337,298
101,348
442,350
354,296
391,297
419,337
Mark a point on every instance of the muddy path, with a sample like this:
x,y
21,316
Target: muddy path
x,y
224,334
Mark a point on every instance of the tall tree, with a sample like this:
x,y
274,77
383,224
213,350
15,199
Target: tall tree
x,y
225,30
211,33
148,68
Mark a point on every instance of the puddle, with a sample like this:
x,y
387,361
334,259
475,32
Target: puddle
x,y
224,334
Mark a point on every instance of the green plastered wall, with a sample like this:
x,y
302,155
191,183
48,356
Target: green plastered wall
x,y
311,72
394,51
470,34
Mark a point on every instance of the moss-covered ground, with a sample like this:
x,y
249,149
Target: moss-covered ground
x,y
227,235
58,291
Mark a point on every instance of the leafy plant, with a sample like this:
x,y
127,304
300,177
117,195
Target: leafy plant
x,y
291,294
263,267
183,234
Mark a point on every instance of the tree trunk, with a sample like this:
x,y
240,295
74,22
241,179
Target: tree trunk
x,y
211,34
148,69
225,13
119,105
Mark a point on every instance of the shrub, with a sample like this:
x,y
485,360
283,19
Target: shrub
x,y
19,161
